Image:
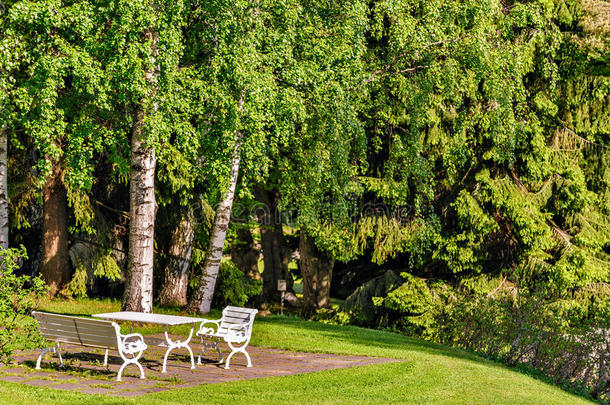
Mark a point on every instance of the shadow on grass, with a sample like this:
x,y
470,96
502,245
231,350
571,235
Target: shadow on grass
x,y
397,346
375,339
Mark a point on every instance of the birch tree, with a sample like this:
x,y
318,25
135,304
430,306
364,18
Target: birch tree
x,y
239,87
142,208
9,56
202,298
142,80
3,187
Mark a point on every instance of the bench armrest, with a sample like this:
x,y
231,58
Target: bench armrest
x,y
132,343
237,333
204,330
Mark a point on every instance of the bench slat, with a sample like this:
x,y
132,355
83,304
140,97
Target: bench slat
x,y
105,343
78,326
82,331
83,335
73,321
78,331
76,337
238,310
236,319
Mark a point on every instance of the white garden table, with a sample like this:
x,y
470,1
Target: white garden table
x,y
159,319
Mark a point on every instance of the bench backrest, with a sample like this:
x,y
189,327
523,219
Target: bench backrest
x,y
237,315
80,331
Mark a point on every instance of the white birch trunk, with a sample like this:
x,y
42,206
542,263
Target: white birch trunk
x,y
202,299
3,189
142,206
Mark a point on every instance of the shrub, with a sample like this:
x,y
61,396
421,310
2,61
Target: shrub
x,y
566,338
233,287
533,331
18,297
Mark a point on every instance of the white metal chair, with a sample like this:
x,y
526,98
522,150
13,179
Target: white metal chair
x,y
235,328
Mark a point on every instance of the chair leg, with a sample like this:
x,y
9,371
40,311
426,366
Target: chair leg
x,y
54,349
203,346
238,350
44,351
118,378
220,357
229,359
211,345
249,360
61,360
106,358
128,362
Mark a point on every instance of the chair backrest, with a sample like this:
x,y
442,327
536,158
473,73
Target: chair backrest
x,y
80,331
237,315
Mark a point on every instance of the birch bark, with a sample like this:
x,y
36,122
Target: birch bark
x,y
202,299
3,188
142,206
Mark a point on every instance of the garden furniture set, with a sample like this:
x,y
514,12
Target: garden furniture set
x,y
234,328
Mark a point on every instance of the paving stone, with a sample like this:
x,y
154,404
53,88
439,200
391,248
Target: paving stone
x,y
62,376
67,386
132,386
41,374
94,381
97,390
14,378
39,382
13,369
267,363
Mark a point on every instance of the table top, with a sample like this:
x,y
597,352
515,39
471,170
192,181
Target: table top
x,y
143,317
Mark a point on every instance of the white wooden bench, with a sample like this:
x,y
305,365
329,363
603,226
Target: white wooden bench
x,y
90,333
235,327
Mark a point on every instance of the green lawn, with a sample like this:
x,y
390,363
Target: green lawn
x,y
430,373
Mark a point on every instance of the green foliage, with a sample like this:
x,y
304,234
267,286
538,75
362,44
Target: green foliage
x,y
485,123
480,130
233,287
520,322
98,265
18,297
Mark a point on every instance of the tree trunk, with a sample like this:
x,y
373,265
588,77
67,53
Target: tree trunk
x,y
3,189
55,265
244,255
175,278
317,270
142,205
142,210
202,299
276,254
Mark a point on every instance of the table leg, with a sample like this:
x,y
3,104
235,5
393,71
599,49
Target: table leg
x,y
171,345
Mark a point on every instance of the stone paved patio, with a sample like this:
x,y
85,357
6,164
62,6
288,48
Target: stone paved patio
x,y
84,370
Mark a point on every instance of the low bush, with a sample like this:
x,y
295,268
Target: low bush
x,y
18,297
565,337
233,287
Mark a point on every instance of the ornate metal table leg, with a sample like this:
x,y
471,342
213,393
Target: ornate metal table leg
x,y
171,345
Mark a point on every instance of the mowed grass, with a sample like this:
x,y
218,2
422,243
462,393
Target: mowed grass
x,y
427,374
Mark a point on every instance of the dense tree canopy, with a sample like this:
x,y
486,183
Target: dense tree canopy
x,y
430,161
